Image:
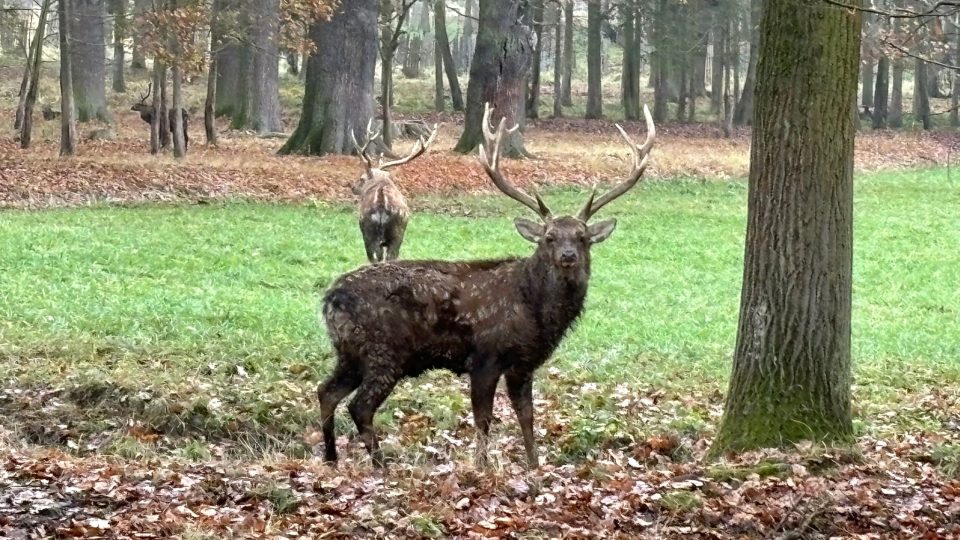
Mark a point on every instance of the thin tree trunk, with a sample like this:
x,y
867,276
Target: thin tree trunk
x,y
880,101
659,63
594,45
156,135
469,35
921,96
565,88
717,69
743,114
24,87
387,55
446,55
533,93
119,54
728,98
630,74
438,101
558,63
68,119
791,370
165,138
26,131
955,91
137,58
210,103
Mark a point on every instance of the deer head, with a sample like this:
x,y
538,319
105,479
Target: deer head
x,y
563,241
142,105
379,171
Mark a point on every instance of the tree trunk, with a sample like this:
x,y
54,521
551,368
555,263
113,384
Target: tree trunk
x,y
866,76
684,88
413,62
631,63
895,116
293,62
438,102
955,91
26,130
229,62
594,89
565,88
717,68
387,55
791,369
698,71
210,103
728,98
498,73
659,63
920,95
177,127
469,35
443,42
164,116
137,58
533,93
259,69
119,54
743,114
88,61
24,87
338,99
156,135
68,120
557,63
880,93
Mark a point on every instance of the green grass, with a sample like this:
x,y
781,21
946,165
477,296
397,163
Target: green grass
x,y
212,309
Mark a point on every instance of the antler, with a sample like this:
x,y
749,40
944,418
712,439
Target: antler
x,y
490,159
362,150
418,149
640,155
143,97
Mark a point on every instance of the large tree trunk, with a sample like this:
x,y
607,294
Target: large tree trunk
x,y
594,45
895,116
557,63
630,86
259,69
119,9
743,114
565,89
137,58
921,96
791,369
443,43
26,130
533,93
88,61
880,101
498,73
338,99
68,120
229,62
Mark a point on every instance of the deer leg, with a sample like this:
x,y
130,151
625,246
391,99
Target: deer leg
x,y
520,390
483,387
330,394
396,240
370,242
372,393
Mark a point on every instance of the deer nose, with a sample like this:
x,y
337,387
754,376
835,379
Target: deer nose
x,y
568,257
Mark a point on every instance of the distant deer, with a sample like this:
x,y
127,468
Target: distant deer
x,y
146,114
484,318
383,209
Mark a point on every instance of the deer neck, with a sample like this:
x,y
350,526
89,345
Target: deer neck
x,y
555,298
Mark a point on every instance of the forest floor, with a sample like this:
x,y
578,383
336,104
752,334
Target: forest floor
x,y
158,361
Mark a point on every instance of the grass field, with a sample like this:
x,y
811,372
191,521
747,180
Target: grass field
x,y
198,323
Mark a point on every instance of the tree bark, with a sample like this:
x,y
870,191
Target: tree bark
x,y
26,130
920,95
791,369
165,139
895,116
413,62
558,63
717,66
89,60
955,91
630,86
229,61
438,102
156,135
533,93
880,101
498,73
137,58
338,99
866,76
698,71
260,70
565,89
119,53
443,42
594,89
24,87
469,37
659,63
743,114
210,103
68,120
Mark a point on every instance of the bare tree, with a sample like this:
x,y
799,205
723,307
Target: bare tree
x,y
26,130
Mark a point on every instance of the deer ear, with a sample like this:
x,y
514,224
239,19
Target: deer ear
x,y
532,232
601,230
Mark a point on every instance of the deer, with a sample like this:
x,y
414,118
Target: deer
x,y
487,319
146,114
383,210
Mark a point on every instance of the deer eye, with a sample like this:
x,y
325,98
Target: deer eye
x,y
550,238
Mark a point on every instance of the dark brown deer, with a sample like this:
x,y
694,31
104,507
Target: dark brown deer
x,y
486,319
146,114
383,209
